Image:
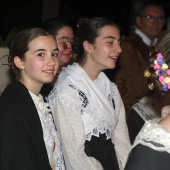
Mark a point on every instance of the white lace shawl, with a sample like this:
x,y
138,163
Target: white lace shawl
x,y
81,81
69,119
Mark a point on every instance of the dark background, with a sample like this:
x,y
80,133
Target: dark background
x,y
27,13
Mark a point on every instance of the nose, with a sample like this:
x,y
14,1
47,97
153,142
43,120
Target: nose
x,y
69,44
51,61
118,48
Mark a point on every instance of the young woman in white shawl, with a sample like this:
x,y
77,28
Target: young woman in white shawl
x,y
88,109
151,148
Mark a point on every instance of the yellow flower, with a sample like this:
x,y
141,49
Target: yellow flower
x,y
167,80
164,66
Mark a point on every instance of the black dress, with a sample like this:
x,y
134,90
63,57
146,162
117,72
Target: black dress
x,y
134,123
144,158
103,150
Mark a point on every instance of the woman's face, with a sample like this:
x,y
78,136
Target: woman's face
x,y
104,53
41,61
64,39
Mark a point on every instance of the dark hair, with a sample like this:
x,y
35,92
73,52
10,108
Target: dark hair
x,y
147,4
162,46
20,45
89,30
53,25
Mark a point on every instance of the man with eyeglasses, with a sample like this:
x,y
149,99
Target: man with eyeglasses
x,y
129,74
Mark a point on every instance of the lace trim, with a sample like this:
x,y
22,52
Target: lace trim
x,y
80,103
104,127
154,136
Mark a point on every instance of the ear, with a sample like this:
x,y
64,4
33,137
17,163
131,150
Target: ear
x,y
88,47
18,62
138,21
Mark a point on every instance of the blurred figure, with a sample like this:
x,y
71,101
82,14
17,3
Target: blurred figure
x,y
151,149
135,50
64,35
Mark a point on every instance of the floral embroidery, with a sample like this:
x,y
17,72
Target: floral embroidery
x,y
162,71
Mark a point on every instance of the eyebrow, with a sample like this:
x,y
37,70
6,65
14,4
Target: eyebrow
x,y
109,37
112,38
65,37
56,49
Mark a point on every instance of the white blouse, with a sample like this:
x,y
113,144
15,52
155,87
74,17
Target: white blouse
x,y
51,137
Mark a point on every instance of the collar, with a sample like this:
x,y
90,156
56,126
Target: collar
x,y
38,100
145,39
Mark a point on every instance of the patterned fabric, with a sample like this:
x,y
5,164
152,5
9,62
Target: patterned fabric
x,y
84,108
51,137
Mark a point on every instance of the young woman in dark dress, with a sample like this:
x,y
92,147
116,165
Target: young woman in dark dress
x,y
151,148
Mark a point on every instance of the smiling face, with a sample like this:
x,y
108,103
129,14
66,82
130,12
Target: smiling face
x,y
41,62
104,53
64,39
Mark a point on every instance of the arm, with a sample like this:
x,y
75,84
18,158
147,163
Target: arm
x,y
120,135
70,127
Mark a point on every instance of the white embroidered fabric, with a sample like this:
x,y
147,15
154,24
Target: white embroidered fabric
x,y
92,125
78,105
145,109
49,132
154,136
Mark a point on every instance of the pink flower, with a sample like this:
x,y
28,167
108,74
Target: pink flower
x,y
161,79
168,72
159,55
168,85
156,67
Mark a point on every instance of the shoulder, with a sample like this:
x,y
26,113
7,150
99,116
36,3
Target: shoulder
x,y
147,158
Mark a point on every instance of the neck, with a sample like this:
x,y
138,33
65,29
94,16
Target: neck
x,y
34,88
90,71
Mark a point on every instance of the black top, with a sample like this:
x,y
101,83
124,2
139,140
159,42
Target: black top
x,y
103,150
134,123
21,137
144,158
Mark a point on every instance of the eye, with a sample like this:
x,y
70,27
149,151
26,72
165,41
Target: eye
x,y
110,42
40,54
55,54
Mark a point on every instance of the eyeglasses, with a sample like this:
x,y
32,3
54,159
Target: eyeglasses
x,y
65,41
151,18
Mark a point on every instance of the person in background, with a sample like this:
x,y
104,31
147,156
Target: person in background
x,y
151,147
128,76
63,32
28,137
87,107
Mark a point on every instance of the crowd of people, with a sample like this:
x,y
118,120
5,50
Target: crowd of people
x,y
62,111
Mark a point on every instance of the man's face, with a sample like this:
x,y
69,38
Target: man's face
x,y
151,22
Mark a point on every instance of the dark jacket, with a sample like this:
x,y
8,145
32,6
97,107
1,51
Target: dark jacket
x,y
21,137
130,68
